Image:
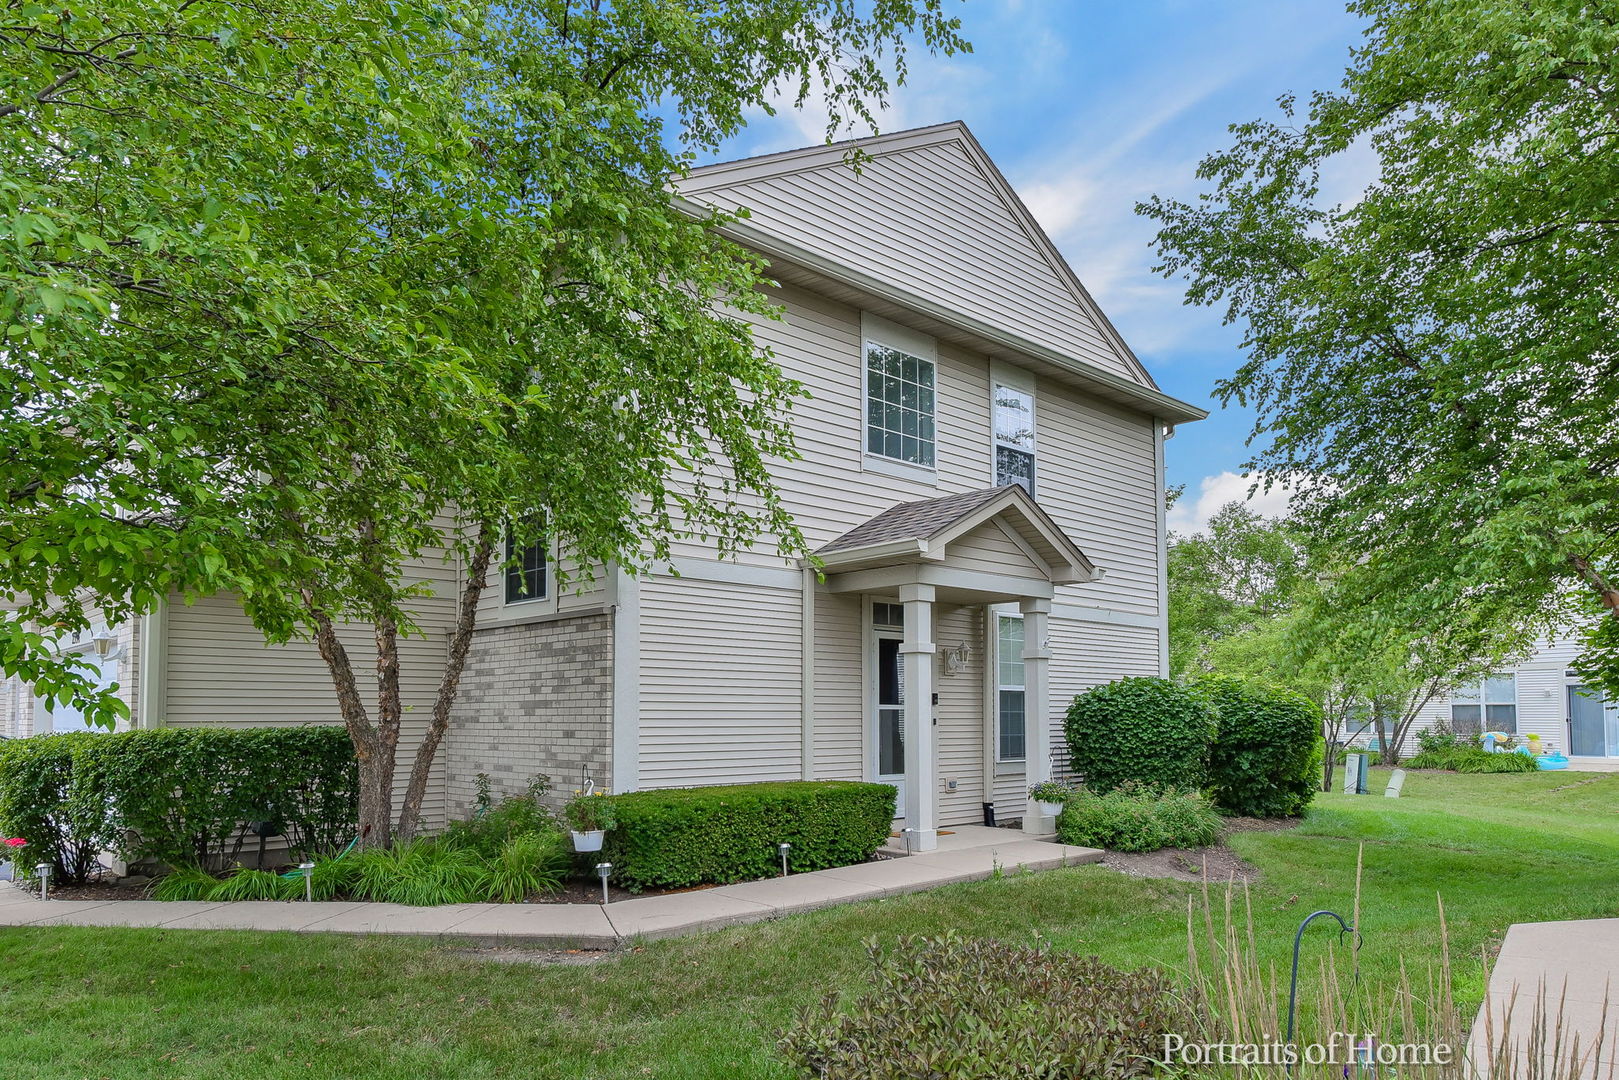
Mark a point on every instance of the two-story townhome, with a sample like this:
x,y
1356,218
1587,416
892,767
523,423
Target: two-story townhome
x,y
982,479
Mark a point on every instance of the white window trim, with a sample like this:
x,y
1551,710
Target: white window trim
x,y
1484,702
878,330
546,579
1016,378
995,651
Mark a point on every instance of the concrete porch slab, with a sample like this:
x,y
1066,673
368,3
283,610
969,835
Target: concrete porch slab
x,y
1570,972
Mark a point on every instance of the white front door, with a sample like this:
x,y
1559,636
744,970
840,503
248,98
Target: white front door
x,y
67,716
887,696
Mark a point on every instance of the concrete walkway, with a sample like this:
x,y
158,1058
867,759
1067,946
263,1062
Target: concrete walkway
x,y
971,854
1552,977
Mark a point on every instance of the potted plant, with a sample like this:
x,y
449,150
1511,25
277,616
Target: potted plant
x,y
1050,796
589,817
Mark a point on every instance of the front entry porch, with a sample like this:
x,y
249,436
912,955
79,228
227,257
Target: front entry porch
x,y
987,552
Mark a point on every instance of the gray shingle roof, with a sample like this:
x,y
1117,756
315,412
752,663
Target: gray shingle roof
x,y
914,520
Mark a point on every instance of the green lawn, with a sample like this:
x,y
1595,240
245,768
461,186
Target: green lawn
x,y
172,1004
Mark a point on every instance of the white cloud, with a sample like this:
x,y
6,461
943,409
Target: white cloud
x,y
1192,513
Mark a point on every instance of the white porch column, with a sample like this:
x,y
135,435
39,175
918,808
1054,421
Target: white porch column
x,y
1037,705
916,653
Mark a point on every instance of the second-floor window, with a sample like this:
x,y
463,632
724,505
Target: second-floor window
x,y
1014,436
899,405
525,566
1011,690
1490,706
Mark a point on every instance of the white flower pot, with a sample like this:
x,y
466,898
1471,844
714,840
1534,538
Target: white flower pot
x,y
1052,808
589,841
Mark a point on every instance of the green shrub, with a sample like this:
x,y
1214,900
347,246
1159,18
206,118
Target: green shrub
x,y
1150,731
1265,760
952,1009
692,836
36,804
423,873
492,824
256,885
1473,759
526,864
182,795
1138,818
1441,738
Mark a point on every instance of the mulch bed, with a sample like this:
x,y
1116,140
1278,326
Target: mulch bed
x,y
1215,863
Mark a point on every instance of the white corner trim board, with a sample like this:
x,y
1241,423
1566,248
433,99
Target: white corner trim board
x,y
626,681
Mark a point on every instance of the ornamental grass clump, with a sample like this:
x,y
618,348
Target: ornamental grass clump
x,y
1473,759
948,1007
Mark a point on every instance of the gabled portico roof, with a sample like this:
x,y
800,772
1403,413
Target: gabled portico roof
x,y
923,531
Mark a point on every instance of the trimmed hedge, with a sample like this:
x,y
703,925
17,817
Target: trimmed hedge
x,y
36,803
181,796
716,835
1267,754
1148,730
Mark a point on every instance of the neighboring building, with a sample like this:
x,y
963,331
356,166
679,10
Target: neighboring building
x,y
1541,696
982,474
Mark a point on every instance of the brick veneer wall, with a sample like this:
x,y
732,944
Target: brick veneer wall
x,y
535,698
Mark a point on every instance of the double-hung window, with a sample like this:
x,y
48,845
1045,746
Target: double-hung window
x,y
900,389
1013,410
1010,689
1488,706
526,562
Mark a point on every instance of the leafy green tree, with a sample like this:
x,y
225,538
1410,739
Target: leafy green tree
x,y
1432,361
1226,582
296,296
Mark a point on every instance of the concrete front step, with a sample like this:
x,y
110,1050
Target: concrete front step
x,y
578,926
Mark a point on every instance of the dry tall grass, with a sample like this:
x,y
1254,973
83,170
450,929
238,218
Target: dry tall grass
x,y
1350,1029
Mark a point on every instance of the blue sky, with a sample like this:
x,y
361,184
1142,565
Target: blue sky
x,y
1090,106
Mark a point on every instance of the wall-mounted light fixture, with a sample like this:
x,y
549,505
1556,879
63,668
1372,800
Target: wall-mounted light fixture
x,y
104,641
955,658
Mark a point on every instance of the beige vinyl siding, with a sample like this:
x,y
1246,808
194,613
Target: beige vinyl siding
x,y
1096,477
829,490
220,672
841,728
959,751
720,686
1087,654
936,225
988,549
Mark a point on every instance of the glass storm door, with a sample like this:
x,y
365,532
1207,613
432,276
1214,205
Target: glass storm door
x,y
888,715
1586,724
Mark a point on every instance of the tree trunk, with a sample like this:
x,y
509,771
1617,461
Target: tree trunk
x,y
375,811
1598,582
460,643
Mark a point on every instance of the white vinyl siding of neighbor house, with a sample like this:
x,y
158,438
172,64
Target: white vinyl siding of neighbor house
x,y
1542,696
720,685
936,225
